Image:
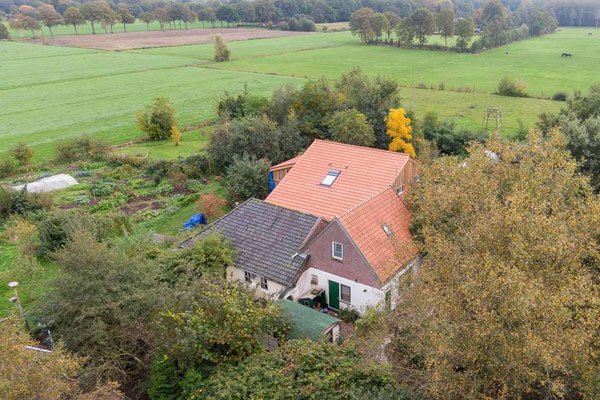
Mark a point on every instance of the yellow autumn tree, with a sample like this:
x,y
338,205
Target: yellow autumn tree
x,y
176,135
399,129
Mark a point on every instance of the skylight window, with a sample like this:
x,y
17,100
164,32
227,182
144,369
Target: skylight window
x,y
330,177
387,230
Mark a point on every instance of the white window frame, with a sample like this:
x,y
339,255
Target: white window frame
x,y
400,190
388,231
333,255
330,178
349,301
264,283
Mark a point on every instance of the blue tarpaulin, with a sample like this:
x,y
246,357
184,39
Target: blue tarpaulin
x,y
271,182
194,221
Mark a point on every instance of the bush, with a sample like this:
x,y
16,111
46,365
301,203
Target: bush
x,y
351,127
510,87
59,227
196,166
348,315
22,154
4,34
7,167
560,96
242,105
299,23
158,119
248,177
222,53
211,205
81,148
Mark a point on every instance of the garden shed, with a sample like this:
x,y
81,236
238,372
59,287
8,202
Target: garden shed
x,y
308,323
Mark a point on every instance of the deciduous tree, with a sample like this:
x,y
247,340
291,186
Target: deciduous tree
x,y
92,11
175,135
445,24
423,24
360,24
399,129
506,304
73,16
49,16
465,29
125,17
147,18
351,127
222,53
4,34
248,177
158,119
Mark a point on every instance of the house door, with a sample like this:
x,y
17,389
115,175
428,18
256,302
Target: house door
x,y
334,295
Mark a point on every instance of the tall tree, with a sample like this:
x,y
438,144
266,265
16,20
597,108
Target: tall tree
x,y
379,24
49,17
158,119
505,304
393,21
125,17
423,24
92,12
445,24
350,126
4,34
147,18
360,24
399,129
465,29
24,22
73,16
494,19
108,17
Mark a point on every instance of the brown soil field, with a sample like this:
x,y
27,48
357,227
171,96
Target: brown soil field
x,y
141,40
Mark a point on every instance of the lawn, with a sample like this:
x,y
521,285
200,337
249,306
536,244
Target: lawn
x,y
31,286
192,142
48,93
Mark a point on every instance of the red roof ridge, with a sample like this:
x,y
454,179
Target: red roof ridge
x,y
363,148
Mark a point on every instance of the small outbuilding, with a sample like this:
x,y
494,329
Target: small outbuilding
x,y
55,182
308,323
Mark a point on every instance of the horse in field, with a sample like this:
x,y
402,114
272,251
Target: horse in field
x,y
567,55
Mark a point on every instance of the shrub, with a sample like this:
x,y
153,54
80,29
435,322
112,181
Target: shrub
x,y
81,148
351,127
178,180
348,315
158,119
7,167
222,53
22,154
196,166
560,96
4,34
248,177
59,227
510,87
241,105
211,205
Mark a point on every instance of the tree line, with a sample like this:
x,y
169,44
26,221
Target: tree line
x,y
495,24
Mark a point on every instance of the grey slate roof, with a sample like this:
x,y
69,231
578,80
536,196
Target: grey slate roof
x,y
266,238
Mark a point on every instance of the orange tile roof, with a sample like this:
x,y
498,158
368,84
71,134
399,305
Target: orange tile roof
x,y
365,172
365,225
286,163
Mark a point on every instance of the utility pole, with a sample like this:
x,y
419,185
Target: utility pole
x,y
17,301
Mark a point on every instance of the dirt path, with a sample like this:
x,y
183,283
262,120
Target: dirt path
x,y
141,40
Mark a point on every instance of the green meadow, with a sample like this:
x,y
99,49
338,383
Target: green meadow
x,y
48,93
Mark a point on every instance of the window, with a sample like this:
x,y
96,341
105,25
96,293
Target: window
x,y
345,294
337,251
400,189
314,280
264,284
387,230
330,177
248,277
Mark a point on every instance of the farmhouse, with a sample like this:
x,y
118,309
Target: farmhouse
x,y
333,233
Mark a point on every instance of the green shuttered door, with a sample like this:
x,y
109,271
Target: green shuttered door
x,y
334,295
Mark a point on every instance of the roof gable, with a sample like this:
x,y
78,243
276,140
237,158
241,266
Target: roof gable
x,y
363,173
267,239
365,225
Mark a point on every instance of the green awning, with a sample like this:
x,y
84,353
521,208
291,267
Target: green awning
x,y
307,323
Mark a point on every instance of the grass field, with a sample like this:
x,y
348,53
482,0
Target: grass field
x,y
193,142
48,93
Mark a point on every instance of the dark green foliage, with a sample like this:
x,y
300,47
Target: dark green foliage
x,y
258,137
299,23
312,104
248,177
423,24
560,96
348,315
22,202
208,257
372,97
160,169
196,166
100,304
7,167
446,137
164,382
351,127
579,121
62,226
4,34
242,105
81,148
158,119
510,87
281,103
299,370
